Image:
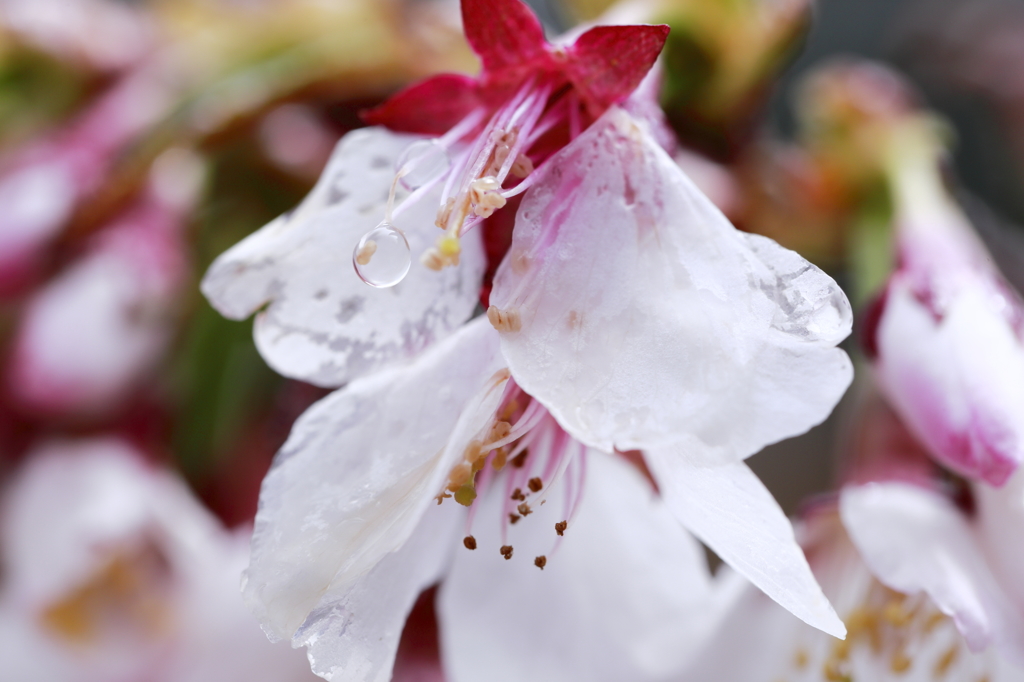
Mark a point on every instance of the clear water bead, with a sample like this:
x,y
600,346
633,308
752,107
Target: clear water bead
x,y
382,257
423,162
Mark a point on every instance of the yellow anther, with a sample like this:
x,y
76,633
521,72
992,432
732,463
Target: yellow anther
x,y
449,247
366,252
895,614
946,661
465,495
900,662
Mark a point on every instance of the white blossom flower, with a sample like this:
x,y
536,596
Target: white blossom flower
x,y
894,636
113,572
630,316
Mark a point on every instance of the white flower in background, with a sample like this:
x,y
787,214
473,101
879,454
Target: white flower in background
x,y
91,334
44,181
113,572
959,545
892,636
630,316
947,346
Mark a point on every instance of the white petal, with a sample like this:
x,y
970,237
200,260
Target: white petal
x,y
646,318
622,597
915,540
353,635
1000,524
359,470
731,511
322,323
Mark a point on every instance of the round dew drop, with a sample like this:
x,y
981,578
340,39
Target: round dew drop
x,y
422,162
382,257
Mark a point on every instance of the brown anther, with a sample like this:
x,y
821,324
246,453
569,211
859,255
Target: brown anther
x,y
540,562
504,320
560,527
832,673
500,459
459,476
518,495
513,518
519,460
535,484
469,541
524,509
506,551
511,407
500,430
443,496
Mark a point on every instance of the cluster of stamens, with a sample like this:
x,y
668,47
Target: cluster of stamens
x,y
476,177
899,633
523,444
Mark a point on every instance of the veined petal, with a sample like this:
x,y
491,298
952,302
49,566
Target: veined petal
x,y
646,318
731,511
353,635
321,323
358,471
915,540
622,597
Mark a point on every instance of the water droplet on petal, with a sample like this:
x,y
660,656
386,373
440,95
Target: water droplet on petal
x,y
382,256
423,161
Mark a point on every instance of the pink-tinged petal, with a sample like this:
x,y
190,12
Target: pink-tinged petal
x,y
623,594
318,321
915,540
360,469
431,107
607,63
731,511
353,635
647,319
503,33
91,334
957,380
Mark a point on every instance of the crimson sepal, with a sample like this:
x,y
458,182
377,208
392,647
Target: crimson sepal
x,y
607,63
430,107
503,33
